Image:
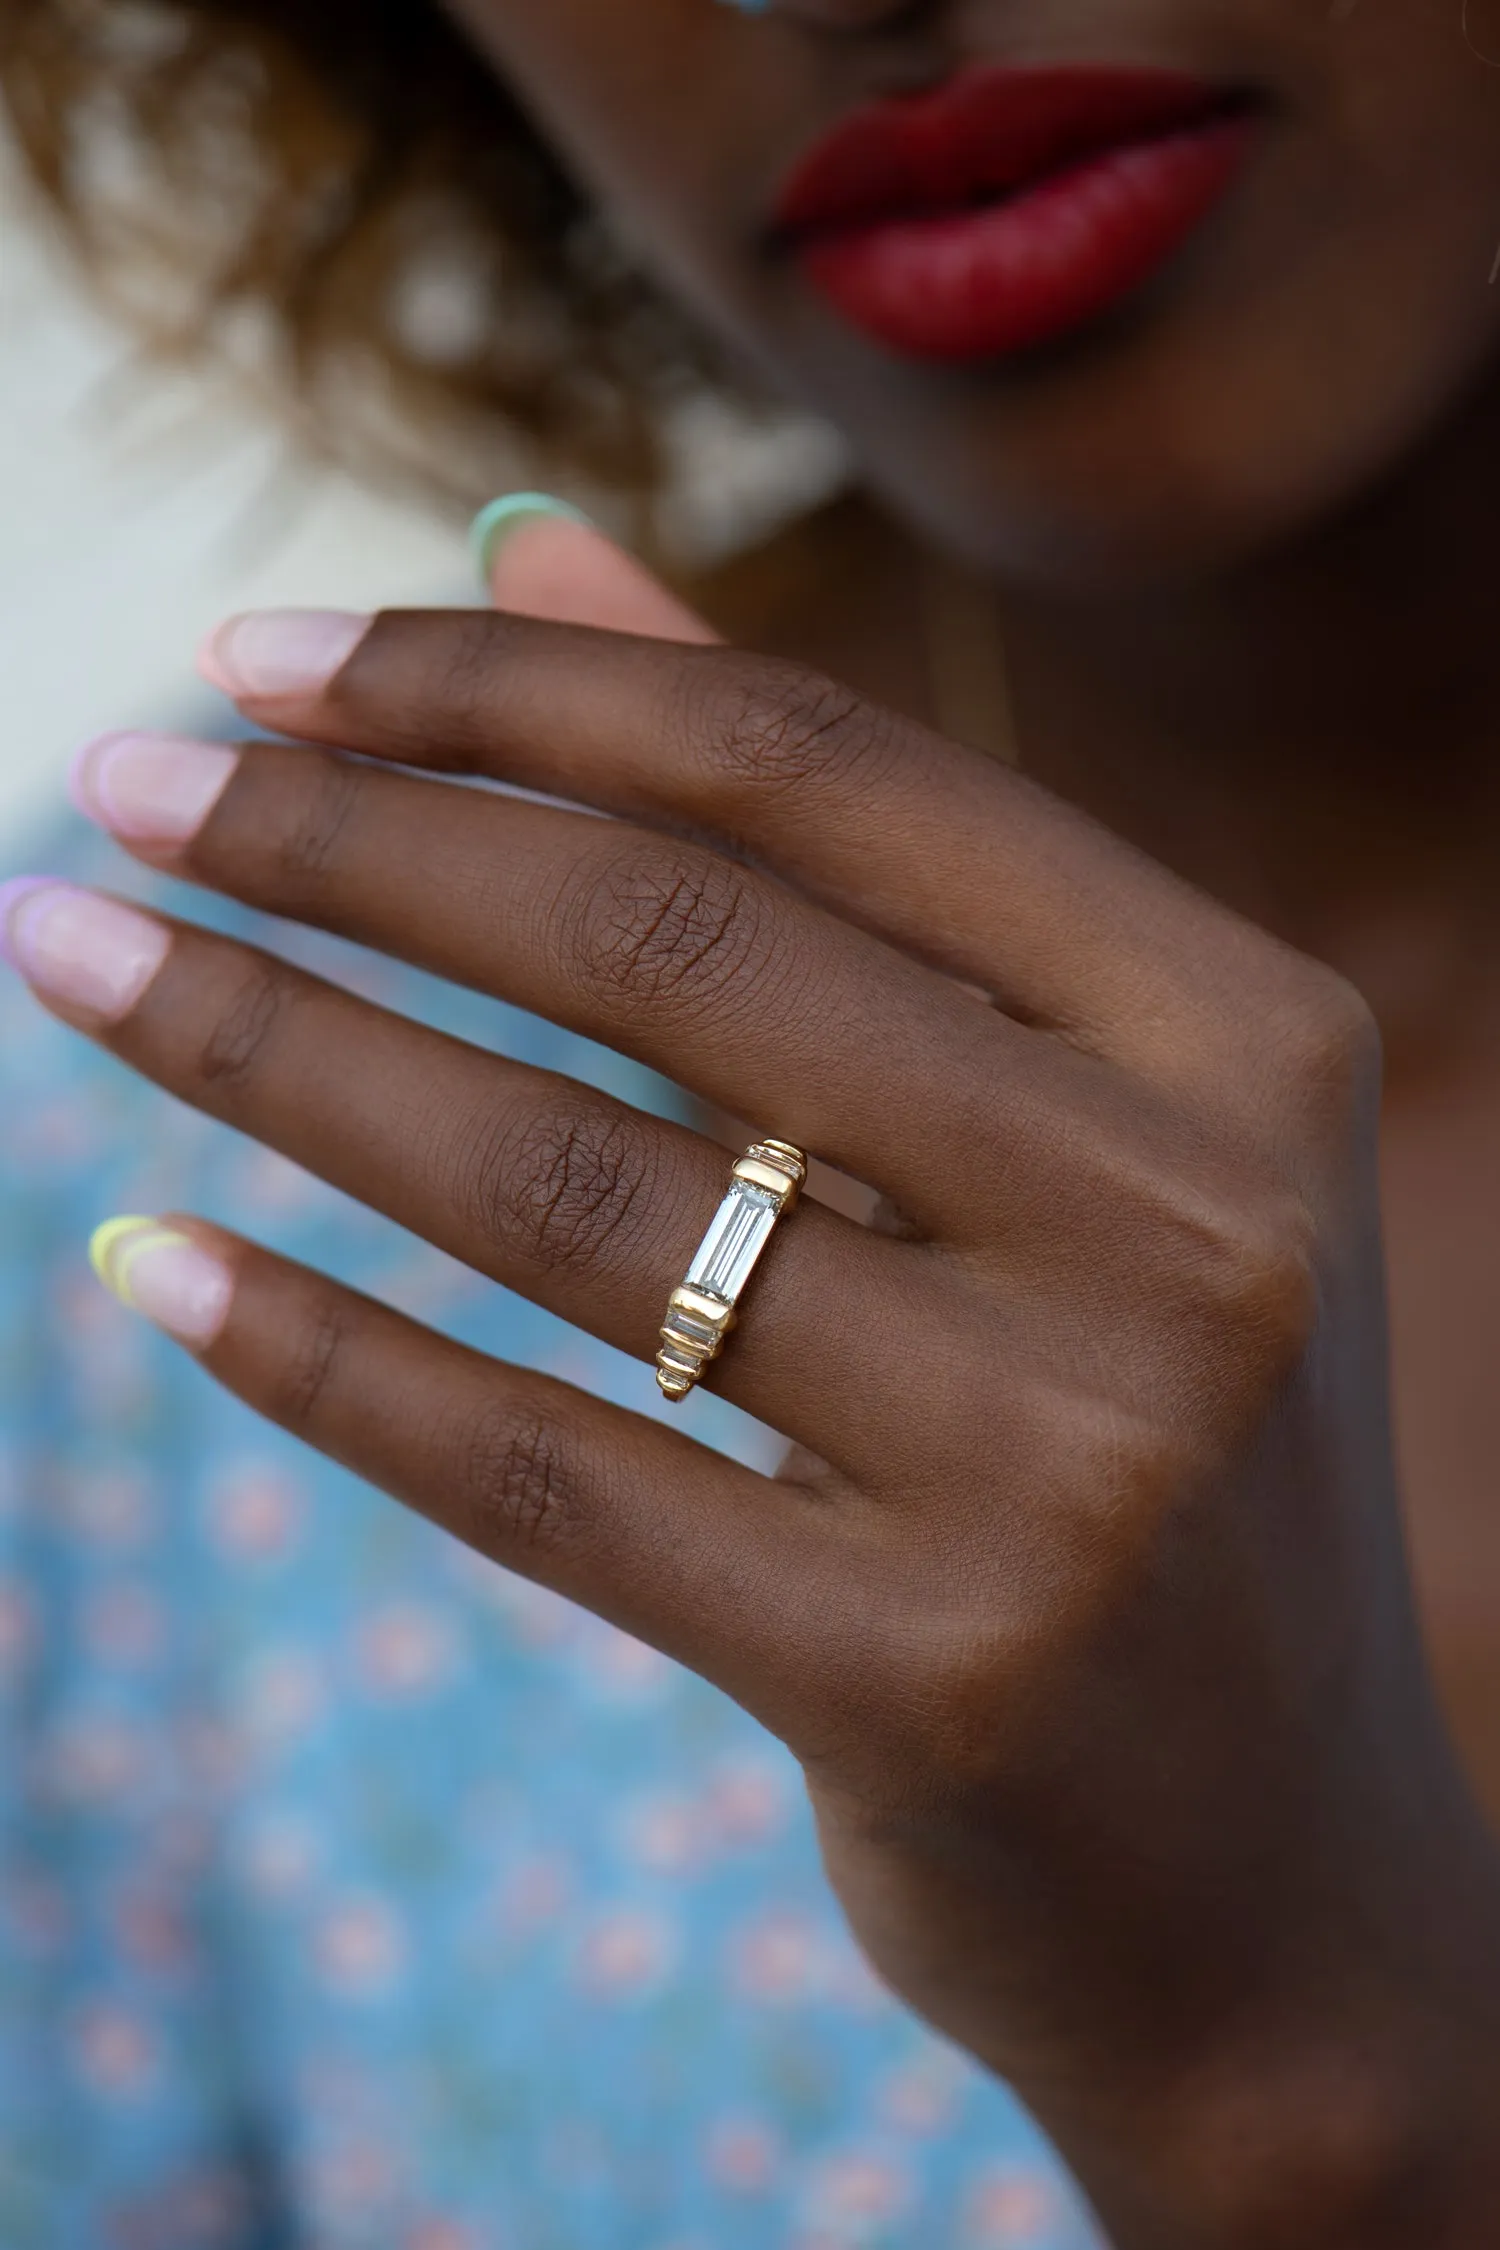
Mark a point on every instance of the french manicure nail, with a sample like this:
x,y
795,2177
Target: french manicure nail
x,y
71,945
150,788
494,525
165,1276
280,652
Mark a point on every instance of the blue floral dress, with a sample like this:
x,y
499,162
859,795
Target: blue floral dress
x,y
357,1895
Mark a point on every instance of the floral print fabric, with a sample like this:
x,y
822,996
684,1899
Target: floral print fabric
x,y
356,1894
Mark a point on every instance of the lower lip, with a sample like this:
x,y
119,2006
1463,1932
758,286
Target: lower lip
x,y
983,284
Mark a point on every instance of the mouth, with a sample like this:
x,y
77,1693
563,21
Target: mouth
x,y
1010,207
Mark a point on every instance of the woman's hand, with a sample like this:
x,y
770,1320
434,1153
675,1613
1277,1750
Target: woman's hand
x,y
1082,1598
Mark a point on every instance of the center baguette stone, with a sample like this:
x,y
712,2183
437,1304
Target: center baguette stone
x,y
740,1230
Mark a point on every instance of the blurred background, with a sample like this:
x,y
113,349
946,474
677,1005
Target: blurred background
x,y
135,511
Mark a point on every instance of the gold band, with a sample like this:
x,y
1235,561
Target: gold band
x,y
766,1184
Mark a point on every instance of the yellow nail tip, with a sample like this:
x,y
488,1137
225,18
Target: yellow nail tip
x,y
104,1239
114,1246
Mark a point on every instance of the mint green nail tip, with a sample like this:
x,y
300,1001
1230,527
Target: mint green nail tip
x,y
493,525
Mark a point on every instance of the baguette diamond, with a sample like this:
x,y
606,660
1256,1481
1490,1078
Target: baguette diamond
x,y
767,1181
740,1231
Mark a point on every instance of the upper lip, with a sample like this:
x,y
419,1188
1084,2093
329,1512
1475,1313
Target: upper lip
x,y
988,132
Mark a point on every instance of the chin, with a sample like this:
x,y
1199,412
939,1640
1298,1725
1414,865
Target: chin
x,y
1095,489
1199,434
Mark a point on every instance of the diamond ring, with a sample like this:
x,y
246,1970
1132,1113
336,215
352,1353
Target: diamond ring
x,y
767,1181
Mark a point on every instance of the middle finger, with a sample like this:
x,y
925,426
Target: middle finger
x,y
711,972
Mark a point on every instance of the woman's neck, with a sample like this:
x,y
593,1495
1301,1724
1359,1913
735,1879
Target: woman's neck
x,y
1315,738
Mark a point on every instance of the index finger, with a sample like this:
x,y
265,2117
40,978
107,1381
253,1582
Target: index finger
x,y
936,847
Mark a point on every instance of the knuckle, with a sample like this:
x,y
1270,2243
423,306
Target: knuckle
x,y
658,926
308,847
1327,1045
234,1052
461,671
317,1355
417,670
1262,1277
781,728
568,1186
517,1485
1238,1278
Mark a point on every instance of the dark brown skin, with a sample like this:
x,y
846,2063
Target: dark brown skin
x,y
1203,517
1085,1603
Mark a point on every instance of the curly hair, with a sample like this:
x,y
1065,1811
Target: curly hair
x,y
348,190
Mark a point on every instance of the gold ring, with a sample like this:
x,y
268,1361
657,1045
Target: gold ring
x,y
767,1181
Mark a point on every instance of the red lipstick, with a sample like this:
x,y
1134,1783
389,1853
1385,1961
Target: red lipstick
x,y
1009,207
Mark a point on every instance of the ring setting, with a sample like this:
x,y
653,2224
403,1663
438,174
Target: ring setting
x,y
767,1181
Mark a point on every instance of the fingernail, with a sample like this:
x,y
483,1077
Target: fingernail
x,y
493,525
71,945
271,652
165,1276
150,788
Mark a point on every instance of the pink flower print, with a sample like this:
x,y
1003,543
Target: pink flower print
x,y
92,1759
20,1628
113,2051
779,1956
852,1984
622,1668
271,1185
1010,2207
535,1895
663,1833
352,2181
281,1696
748,1803
106,1354
743,2155
191,2211
406,1649
153,1932
360,1949
58,1136
123,1625
533,1616
255,1511
855,2193
625,1955
278,1856
446,2234
208,2207
924,2094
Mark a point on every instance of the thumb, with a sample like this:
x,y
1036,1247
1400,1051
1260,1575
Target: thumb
x,y
541,558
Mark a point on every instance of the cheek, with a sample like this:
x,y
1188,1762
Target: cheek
x,y
624,89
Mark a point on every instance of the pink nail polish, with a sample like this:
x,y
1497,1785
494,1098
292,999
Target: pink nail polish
x,y
11,894
280,652
167,1278
90,953
150,788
